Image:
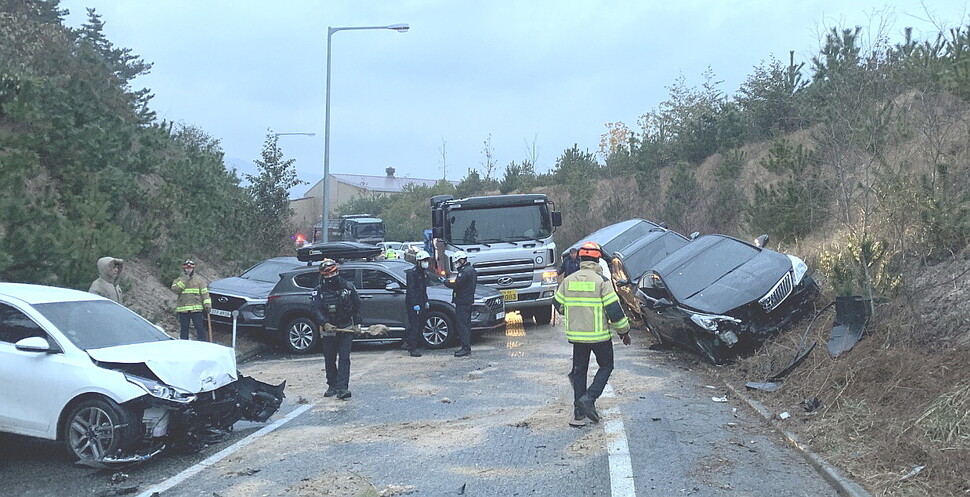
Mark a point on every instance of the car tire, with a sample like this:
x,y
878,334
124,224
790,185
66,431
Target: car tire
x,y
711,348
300,336
438,331
97,427
543,315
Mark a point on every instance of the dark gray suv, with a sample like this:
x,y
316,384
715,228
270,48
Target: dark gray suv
x,y
381,286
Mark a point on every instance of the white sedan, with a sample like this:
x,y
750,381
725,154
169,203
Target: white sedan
x,y
116,389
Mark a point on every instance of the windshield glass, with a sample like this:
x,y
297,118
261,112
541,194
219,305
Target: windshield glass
x,y
268,271
704,268
646,256
93,324
499,224
369,230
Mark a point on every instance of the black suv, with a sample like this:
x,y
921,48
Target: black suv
x,y
381,286
247,292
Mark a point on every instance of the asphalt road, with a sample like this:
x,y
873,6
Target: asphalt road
x,y
494,424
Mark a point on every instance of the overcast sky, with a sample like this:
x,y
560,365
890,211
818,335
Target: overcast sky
x,y
540,73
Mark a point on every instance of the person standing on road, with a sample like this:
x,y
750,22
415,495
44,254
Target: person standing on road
x,y
193,301
416,301
463,296
570,264
336,310
108,283
587,301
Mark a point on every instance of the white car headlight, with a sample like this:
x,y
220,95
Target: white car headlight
x,y
799,268
709,321
161,390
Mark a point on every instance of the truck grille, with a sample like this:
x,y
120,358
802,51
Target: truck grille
x,y
778,294
506,275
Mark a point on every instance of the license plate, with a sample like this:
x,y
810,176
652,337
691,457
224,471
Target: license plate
x,y
510,295
220,312
500,315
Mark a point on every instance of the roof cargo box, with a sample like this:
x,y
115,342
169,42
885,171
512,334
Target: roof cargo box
x,y
337,251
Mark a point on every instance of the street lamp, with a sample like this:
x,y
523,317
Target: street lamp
x,y
325,220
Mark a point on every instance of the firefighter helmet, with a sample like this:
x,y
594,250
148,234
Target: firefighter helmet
x,y
329,268
591,250
188,264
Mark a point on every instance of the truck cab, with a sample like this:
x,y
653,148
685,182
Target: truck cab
x,y
508,238
362,228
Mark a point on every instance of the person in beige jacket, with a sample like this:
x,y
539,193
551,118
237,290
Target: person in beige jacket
x,y
193,301
108,285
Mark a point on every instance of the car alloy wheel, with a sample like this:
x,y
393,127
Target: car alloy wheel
x,y
301,336
438,330
97,428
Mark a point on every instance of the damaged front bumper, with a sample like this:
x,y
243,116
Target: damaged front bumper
x,y
190,425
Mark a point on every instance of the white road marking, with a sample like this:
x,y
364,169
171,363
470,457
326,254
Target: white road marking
x,y
618,451
222,454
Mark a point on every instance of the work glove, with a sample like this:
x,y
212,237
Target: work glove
x,y
207,309
328,327
356,328
427,305
626,338
417,308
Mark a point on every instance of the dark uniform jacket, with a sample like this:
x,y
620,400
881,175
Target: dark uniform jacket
x,y
417,291
336,304
464,285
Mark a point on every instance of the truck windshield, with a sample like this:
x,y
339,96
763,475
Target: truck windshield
x,y
369,230
499,224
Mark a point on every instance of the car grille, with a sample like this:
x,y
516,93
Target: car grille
x,y
514,274
494,304
778,294
225,302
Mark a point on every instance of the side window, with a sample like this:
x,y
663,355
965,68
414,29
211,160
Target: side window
x,y
308,279
15,325
349,275
375,280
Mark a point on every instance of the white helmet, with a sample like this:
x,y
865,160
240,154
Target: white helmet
x,y
457,256
422,255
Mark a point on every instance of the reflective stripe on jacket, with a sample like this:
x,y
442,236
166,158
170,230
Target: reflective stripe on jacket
x,y
193,294
588,302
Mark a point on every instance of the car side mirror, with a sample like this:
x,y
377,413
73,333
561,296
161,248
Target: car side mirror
x,y
695,235
393,287
761,241
623,282
662,304
34,344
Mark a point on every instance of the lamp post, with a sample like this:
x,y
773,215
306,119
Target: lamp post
x,y
325,219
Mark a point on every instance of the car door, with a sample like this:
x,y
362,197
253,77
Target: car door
x,y
33,385
660,312
380,305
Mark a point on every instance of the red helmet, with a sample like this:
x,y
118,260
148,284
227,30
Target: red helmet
x,y
591,249
328,268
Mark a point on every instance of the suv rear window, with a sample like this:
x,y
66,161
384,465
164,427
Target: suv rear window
x,y
311,279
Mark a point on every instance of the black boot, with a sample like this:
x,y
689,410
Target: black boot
x,y
585,404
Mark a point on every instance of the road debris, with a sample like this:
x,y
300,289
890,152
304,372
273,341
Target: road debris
x,y
766,386
913,472
719,399
784,415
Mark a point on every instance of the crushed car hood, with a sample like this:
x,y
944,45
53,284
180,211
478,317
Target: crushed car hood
x,y
190,365
241,287
746,283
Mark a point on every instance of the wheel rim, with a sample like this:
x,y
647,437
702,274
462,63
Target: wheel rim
x,y
92,433
301,336
435,330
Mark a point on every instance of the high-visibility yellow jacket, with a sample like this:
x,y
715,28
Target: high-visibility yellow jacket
x,y
193,294
590,306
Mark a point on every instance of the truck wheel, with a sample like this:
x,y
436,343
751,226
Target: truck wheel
x,y
439,330
543,315
99,427
300,336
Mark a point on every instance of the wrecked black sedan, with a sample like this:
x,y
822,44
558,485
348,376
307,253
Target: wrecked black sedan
x,y
632,261
114,388
721,296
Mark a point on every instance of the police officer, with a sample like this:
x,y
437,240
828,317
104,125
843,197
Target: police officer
x,y
416,301
588,301
336,305
463,296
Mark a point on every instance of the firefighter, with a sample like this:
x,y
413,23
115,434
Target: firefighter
x,y
193,301
336,305
463,296
416,301
587,300
108,283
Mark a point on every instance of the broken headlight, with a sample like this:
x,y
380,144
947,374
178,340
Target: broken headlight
x,y
160,390
722,326
799,268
